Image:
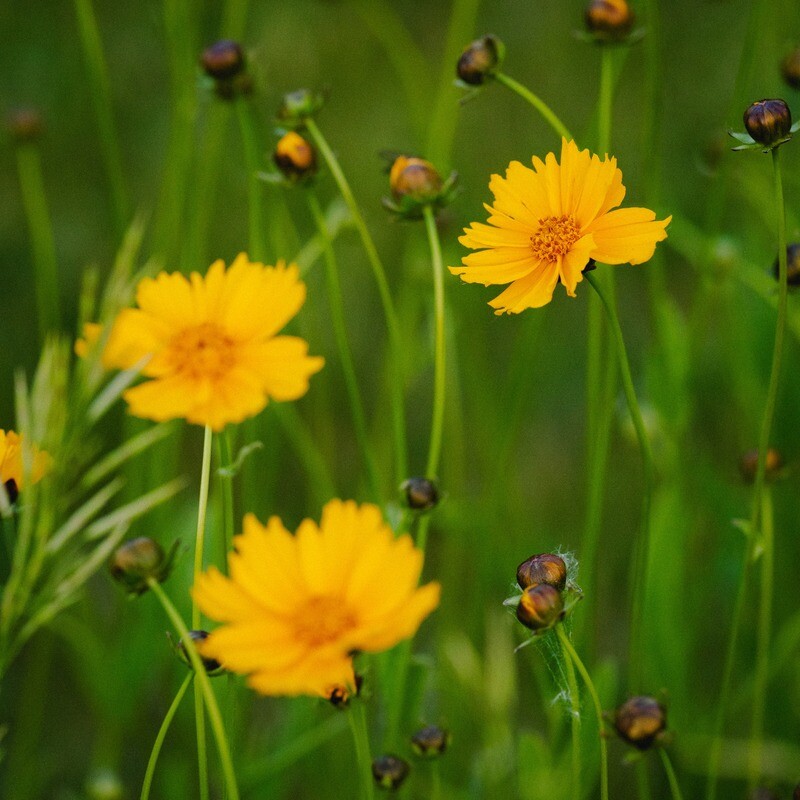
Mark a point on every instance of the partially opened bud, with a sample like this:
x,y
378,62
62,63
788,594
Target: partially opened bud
x,y
609,20
415,178
792,265
790,69
540,607
479,60
640,721
430,742
543,568
420,494
295,156
389,771
769,122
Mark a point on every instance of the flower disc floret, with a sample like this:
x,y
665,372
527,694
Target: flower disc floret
x,y
296,608
548,222
209,344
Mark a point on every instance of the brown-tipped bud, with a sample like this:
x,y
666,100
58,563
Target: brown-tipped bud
x,y
748,465
479,60
640,721
295,157
420,494
543,568
790,68
414,178
138,560
223,60
212,666
609,20
389,772
12,490
792,265
540,607
768,121
24,124
430,742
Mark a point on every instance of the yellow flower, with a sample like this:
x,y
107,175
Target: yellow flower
x,y
91,335
11,465
547,222
298,607
209,344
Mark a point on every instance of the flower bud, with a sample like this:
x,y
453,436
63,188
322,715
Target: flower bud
x,y
479,60
768,121
420,494
24,124
543,568
137,560
298,105
223,60
790,69
792,265
389,772
640,721
212,666
609,20
430,742
415,178
540,607
295,157
12,490
748,465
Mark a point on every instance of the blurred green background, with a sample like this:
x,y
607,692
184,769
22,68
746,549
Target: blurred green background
x,y
90,694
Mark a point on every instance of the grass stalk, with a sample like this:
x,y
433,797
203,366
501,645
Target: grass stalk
x,y
574,719
357,718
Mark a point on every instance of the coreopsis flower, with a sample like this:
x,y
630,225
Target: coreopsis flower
x,y
548,222
12,469
209,344
296,608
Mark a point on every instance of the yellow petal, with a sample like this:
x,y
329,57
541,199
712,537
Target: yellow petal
x,y
627,236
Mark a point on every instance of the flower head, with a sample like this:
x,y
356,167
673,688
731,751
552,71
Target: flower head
x,y
209,343
12,470
548,222
298,607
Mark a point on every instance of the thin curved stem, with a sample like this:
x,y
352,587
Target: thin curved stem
x,y
162,734
343,346
575,720
672,778
201,676
598,709
390,314
202,507
358,727
526,94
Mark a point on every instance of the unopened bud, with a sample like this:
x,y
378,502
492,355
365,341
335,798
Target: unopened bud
x,y
609,20
415,178
790,69
773,464
540,607
212,666
295,157
479,60
430,742
640,721
768,121
792,265
139,560
223,60
297,106
389,772
420,494
543,568
24,124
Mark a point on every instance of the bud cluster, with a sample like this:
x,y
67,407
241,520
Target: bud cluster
x,y
543,580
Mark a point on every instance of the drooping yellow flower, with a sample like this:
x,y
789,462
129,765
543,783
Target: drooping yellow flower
x,y
11,463
547,222
209,343
296,608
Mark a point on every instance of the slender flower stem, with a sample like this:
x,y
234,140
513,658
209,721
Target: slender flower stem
x,y
34,200
754,533
225,458
256,219
575,720
392,323
162,733
526,94
643,546
358,726
674,787
343,345
570,651
604,101
201,677
202,745
202,507
101,100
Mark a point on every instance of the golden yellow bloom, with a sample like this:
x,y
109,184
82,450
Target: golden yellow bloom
x,y
298,607
11,465
547,222
210,345
91,335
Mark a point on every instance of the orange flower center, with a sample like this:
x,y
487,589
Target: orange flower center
x,y
323,620
204,351
554,237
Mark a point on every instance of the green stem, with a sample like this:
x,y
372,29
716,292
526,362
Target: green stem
x,y
439,370
526,94
208,693
34,200
392,323
674,787
358,726
162,734
756,507
255,210
575,718
643,546
202,507
225,458
643,780
604,102
570,651
343,345
100,91
436,780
